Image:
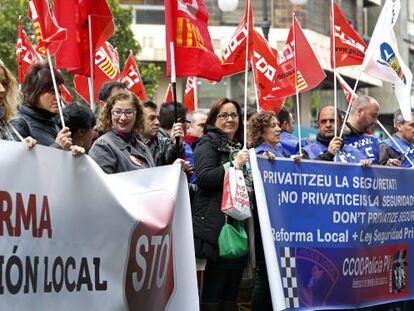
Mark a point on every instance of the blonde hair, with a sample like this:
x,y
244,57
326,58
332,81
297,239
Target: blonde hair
x,y
12,95
105,116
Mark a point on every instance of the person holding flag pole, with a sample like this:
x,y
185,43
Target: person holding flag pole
x,y
50,36
174,92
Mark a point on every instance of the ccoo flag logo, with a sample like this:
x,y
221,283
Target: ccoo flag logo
x,y
391,59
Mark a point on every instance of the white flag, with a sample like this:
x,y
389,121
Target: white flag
x,y
383,61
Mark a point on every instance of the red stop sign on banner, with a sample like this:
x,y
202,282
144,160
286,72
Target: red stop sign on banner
x,y
149,279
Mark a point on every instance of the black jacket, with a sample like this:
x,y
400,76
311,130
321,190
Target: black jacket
x,y
37,123
211,151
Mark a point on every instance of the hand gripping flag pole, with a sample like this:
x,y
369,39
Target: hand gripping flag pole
x,y
174,91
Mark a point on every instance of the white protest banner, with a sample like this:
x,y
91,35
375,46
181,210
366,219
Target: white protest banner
x,y
74,238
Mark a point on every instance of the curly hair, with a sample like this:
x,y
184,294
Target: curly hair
x,y
105,117
257,125
12,95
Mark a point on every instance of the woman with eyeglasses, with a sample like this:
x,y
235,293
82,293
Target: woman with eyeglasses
x,y
119,149
264,137
36,114
223,134
8,104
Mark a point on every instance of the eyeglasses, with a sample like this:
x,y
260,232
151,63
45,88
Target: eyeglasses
x,y
225,115
129,113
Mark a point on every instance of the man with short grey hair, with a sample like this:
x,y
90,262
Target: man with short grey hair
x,y
404,137
195,130
358,145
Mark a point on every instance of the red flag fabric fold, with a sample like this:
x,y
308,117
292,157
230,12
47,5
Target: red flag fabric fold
x,y
25,53
349,46
190,94
309,72
132,78
186,26
169,97
234,55
73,14
106,69
48,33
346,88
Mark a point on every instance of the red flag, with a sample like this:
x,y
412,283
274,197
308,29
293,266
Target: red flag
x,y
234,56
73,14
264,64
25,53
106,69
309,72
346,88
132,78
169,97
349,47
186,26
48,33
190,94
65,94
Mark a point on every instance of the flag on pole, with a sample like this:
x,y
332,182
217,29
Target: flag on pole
x,y
383,61
186,26
25,53
190,94
308,70
349,46
346,88
49,34
264,66
65,94
169,98
106,69
27,56
234,55
73,14
131,76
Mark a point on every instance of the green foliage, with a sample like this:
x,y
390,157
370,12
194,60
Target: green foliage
x,y
9,16
123,39
150,74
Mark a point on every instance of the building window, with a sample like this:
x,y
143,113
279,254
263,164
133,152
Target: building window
x,y
410,12
147,14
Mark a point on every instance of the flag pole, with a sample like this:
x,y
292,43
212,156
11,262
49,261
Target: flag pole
x,y
395,142
174,90
55,88
195,79
246,78
255,89
333,55
350,104
92,64
20,137
297,90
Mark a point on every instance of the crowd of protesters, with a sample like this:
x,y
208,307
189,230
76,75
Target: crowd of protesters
x,y
128,135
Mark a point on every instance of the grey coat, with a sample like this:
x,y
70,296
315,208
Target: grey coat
x,y
114,155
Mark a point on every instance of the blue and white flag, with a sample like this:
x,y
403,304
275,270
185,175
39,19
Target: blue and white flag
x,y
383,61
